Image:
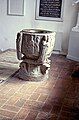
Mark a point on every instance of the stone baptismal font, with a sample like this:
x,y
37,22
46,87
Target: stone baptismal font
x,y
34,48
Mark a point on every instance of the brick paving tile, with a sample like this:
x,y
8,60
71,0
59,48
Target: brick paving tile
x,y
62,84
23,89
5,90
43,83
32,115
2,101
72,92
66,114
53,117
7,113
54,99
34,96
64,118
47,107
27,89
68,102
20,102
12,100
43,115
57,93
2,96
42,90
10,108
22,114
56,109
4,118
22,95
2,87
43,97
34,105
10,93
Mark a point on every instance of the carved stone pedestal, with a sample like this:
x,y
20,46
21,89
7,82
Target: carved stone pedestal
x,y
73,49
34,48
76,28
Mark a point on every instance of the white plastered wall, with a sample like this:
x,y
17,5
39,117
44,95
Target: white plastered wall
x,y
10,25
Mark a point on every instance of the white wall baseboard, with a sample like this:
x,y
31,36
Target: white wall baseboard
x,y
73,58
59,52
56,52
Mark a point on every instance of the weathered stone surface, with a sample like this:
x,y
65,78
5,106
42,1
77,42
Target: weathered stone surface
x,y
34,48
76,28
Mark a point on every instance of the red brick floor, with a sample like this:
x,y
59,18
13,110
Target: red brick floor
x,y
54,99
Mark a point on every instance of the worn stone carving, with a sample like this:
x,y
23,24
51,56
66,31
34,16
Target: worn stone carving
x,y
34,48
76,28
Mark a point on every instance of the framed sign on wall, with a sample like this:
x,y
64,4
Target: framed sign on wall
x,y
15,7
49,10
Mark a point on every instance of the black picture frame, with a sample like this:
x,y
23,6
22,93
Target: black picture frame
x,y
49,10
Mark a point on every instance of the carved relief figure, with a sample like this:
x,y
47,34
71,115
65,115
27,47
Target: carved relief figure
x,y
34,48
76,2
77,25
